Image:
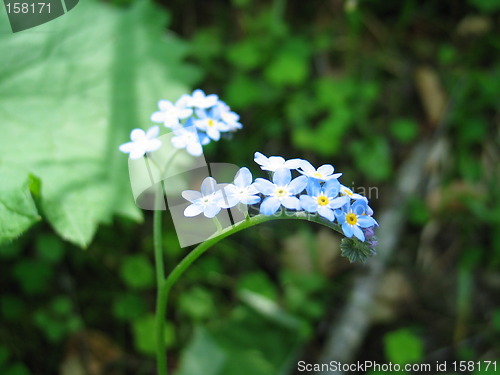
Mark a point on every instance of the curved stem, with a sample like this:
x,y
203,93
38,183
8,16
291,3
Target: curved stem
x,y
161,356
211,241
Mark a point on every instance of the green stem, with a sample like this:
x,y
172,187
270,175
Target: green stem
x,y
161,355
160,306
211,241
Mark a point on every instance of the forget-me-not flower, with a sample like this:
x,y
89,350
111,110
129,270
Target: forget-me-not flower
x,y
242,191
142,142
207,201
190,139
281,191
209,124
323,173
352,222
344,190
323,199
199,100
170,114
273,163
230,118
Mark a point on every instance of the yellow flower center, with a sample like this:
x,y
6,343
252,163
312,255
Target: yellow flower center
x,y
346,191
323,200
317,175
351,219
211,122
280,192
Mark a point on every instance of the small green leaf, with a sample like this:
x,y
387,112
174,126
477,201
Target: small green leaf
x,y
137,272
49,247
403,346
144,332
17,207
197,303
129,306
258,282
32,275
405,129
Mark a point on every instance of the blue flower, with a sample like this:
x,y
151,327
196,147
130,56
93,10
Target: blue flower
x,y
344,190
273,163
209,200
224,113
323,199
210,124
242,191
352,222
281,191
323,173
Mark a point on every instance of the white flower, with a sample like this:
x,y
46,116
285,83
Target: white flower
x,y
230,118
344,190
189,139
323,173
200,100
207,201
273,163
242,191
142,142
170,114
281,192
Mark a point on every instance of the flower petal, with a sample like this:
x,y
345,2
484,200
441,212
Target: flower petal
x,y
282,177
326,213
137,153
137,134
332,188
158,117
264,186
211,210
307,167
243,177
338,202
260,158
293,203
127,147
153,132
250,199
193,210
347,229
308,203
358,232
294,163
191,195
270,206
326,169
208,186
297,185
153,145
194,149
366,221
313,187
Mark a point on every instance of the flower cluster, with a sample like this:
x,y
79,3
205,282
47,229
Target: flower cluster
x,y
195,121
316,191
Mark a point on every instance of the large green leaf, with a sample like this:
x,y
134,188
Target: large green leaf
x,y
71,90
